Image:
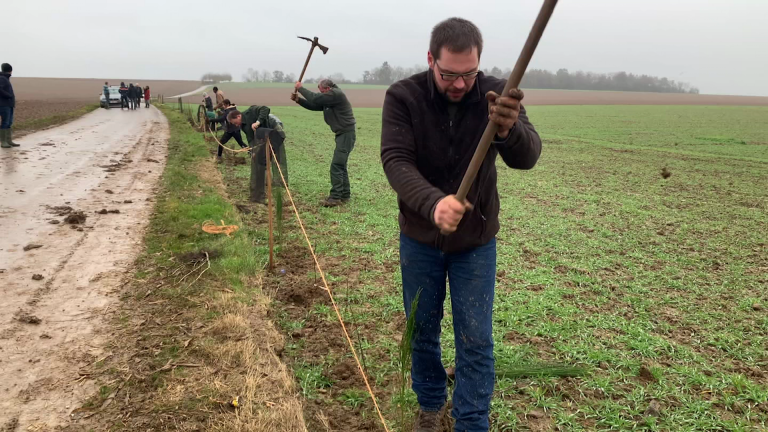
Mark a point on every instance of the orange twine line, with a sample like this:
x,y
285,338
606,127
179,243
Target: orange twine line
x,y
245,149
328,289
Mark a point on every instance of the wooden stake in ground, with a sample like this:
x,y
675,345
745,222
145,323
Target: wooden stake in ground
x,y
268,159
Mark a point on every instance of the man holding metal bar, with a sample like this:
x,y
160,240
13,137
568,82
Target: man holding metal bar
x,y
431,125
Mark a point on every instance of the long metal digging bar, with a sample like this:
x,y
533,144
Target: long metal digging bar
x,y
513,82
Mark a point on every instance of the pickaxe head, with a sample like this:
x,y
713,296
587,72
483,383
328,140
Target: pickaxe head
x,y
315,43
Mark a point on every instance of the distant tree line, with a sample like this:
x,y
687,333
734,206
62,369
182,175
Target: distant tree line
x,y
619,81
277,76
387,74
215,78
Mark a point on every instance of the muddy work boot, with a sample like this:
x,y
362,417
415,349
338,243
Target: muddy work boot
x,y
333,202
4,138
429,421
9,138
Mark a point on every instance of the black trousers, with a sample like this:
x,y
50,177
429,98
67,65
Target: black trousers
x,y
227,135
259,162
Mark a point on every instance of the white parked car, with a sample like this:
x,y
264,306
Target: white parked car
x,y
114,97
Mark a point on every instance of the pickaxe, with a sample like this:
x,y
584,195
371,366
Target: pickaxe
x,y
315,43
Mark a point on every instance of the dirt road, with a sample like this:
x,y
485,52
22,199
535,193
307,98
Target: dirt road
x,y
55,295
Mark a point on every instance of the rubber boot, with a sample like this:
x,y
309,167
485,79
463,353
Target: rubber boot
x,y
4,138
9,138
258,180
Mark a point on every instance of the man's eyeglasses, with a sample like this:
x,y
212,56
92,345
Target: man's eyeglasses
x,y
467,77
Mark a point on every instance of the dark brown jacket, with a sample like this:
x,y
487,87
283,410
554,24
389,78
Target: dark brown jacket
x,y
425,155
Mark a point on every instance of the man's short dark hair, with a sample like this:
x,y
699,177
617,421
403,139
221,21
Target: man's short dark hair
x,y
6,68
457,35
227,102
233,115
215,89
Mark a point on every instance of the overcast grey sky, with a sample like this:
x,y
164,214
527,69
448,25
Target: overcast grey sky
x,y
716,45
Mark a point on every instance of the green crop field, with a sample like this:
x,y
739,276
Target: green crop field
x,y
656,286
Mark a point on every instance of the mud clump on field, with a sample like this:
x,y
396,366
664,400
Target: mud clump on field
x,y
75,218
646,375
26,318
234,161
31,246
105,211
654,409
665,173
11,425
37,277
60,210
297,295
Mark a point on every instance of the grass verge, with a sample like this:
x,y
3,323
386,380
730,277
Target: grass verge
x,y
191,334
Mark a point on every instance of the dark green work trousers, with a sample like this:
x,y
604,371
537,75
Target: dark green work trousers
x,y
345,142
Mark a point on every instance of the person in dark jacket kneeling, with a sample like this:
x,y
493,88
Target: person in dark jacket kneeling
x,y
231,118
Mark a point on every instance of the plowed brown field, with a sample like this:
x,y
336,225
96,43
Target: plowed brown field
x,y
53,98
87,89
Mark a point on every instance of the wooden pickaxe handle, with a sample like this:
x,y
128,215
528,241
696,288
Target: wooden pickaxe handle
x,y
513,82
315,43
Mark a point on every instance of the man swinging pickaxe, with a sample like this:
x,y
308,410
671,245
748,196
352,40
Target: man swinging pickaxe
x,y
315,43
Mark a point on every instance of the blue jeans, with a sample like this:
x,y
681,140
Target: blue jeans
x,y
7,114
472,277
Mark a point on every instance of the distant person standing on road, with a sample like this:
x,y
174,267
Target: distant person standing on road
x,y
337,112
106,95
146,97
219,98
124,96
7,105
130,93
138,94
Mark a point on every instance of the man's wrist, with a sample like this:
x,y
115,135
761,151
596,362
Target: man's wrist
x,y
505,136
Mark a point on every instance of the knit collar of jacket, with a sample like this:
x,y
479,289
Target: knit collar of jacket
x,y
6,74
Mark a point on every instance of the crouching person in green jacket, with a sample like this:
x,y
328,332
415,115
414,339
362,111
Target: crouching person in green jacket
x,y
258,125
337,112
